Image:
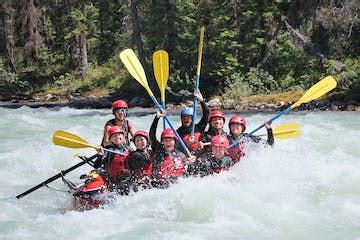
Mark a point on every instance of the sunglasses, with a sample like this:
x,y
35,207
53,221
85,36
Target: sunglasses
x,y
121,110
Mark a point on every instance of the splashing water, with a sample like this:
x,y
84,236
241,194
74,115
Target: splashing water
x,y
302,188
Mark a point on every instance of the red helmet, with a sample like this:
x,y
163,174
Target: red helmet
x,y
119,104
220,141
238,119
115,129
143,133
216,113
168,133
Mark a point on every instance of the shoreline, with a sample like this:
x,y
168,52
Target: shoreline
x,y
227,105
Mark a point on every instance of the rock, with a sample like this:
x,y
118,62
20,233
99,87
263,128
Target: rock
x,y
49,96
281,103
272,106
214,103
334,107
138,101
357,108
229,103
103,103
350,108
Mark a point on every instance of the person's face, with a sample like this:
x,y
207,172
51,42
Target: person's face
x,y
120,113
217,151
186,120
169,144
117,138
236,129
140,142
217,123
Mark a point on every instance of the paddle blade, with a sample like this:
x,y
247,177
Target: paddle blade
x,y
161,70
69,140
319,89
133,65
285,131
202,29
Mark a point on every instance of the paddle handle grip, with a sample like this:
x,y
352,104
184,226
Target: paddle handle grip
x,y
171,126
164,123
195,105
262,125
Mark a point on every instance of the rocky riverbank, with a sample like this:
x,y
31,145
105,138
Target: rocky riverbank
x,y
79,101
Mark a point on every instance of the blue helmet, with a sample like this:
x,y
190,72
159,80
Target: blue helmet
x,y
187,111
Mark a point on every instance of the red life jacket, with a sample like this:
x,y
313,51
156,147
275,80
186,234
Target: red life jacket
x,y
171,167
237,152
117,165
95,184
194,145
146,171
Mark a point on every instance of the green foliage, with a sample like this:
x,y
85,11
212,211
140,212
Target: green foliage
x,y
247,50
10,83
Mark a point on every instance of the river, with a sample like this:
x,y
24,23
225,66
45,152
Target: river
x,y
302,188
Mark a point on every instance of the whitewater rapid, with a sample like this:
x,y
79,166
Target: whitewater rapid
x,y
302,188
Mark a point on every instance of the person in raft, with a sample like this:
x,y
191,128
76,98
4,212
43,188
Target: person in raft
x,y
187,115
114,164
120,111
140,161
237,127
214,161
216,127
169,162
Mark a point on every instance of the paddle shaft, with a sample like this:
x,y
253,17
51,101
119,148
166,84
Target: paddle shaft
x,y
272,119
59,175
164,123
197,81
171,126
261,126
195,105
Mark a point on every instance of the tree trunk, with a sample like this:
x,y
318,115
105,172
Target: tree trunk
x,y
306,44
7,48
30,30
83,59
136,34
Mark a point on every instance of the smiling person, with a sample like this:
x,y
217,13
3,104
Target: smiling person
x,y
216,121
187,115
113,163
237,126
169,162
214,161
120,111
140,160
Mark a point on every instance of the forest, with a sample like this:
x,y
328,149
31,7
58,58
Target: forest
x,y
250,47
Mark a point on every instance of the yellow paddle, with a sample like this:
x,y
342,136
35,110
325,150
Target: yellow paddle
x,y
286,131
70,140
319,89
135,68
161,71
197,80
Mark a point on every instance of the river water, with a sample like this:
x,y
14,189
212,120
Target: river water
x,y
303,188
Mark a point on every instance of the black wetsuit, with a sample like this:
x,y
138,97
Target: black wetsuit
x,y
208,164
200,126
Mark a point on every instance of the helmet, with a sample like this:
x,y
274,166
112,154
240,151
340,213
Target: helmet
x,y
216,113
168,133
143,133
115,129
119,104
220,141
187,111
238,119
